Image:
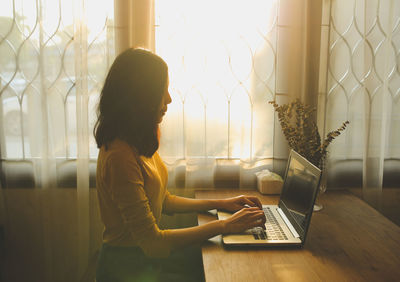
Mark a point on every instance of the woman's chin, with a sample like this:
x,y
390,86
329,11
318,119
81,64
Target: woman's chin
x,y
160,117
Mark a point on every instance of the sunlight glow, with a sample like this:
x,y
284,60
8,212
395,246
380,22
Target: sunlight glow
x,y
211,41
210,48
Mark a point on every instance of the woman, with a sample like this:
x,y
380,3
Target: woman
x,y
131,179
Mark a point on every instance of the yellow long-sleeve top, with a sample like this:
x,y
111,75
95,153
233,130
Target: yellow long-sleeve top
x,y
131,190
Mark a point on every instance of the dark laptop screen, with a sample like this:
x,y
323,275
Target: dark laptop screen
x,y
299,191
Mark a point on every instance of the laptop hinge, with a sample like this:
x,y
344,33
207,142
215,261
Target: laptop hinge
x,y
289,225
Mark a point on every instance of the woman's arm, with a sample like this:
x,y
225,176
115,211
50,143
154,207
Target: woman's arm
x,y
177,238
180,204
176,204
243,219
240,221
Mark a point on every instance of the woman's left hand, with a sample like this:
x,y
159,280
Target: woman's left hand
x,y
237,203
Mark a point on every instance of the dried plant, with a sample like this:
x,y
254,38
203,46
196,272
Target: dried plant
x,y
301,131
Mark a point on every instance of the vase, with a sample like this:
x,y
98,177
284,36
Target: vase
x,y
322,188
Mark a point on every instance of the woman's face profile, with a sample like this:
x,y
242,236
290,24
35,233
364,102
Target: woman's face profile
x,y
166,99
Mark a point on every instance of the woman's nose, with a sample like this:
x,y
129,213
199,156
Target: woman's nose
x,y
169,99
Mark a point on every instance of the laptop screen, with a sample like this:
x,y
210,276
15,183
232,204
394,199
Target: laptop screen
x,y
299,191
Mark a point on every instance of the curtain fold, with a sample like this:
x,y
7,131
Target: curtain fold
x,y
134,24
380,102
298,68
82,132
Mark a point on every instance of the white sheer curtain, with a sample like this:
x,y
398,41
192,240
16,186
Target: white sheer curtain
x,y
361,44
54,57
227,59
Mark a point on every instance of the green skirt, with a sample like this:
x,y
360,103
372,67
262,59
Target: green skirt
x,y
126,264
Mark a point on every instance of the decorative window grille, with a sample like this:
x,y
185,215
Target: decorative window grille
x,y
222,57
54,58
363,77
49,51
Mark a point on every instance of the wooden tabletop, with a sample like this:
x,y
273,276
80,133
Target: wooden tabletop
x,y
347,241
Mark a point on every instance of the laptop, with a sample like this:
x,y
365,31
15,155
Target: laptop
x,y
287,223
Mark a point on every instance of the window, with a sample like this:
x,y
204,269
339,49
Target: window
x,y
222,61
54,58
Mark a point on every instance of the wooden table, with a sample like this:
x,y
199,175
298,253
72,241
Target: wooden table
x,y
347,241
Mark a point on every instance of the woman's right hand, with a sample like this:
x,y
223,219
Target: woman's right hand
x,y
244,219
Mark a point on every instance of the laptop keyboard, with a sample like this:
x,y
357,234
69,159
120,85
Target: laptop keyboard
x,y
273,229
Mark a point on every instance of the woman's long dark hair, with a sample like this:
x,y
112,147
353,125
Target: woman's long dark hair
x,y
130,101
